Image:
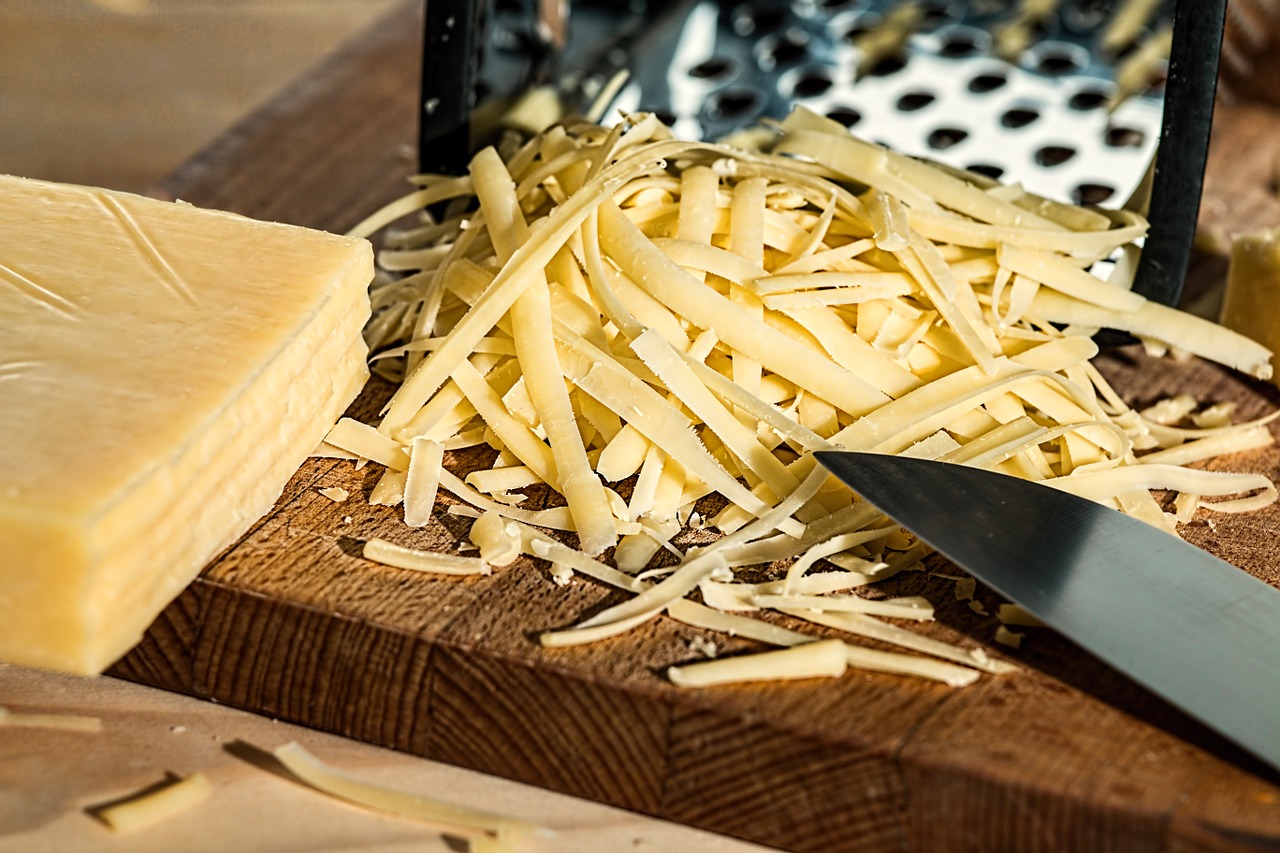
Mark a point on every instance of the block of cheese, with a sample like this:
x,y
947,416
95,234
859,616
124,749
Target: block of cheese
x,y
1251,304
164,370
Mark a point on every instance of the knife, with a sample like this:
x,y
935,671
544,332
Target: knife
x,y
1200,632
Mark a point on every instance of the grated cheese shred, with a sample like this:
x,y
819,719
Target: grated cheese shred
x,y
35,720
474,825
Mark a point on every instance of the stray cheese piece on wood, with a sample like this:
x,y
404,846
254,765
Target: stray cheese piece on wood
x,y
164,370
156,804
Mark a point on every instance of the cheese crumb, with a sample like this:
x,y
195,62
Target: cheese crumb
x,y
1213,417
704,647
1012,614
337,494
499,540
1009,638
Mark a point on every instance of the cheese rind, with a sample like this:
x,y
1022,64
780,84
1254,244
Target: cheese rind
x,y
163,372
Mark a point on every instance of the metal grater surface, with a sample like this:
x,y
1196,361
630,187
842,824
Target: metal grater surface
x,y
710,68
1041,121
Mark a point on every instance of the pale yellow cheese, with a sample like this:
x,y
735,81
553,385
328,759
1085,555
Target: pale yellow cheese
x,y
1253,286
163,372
157,804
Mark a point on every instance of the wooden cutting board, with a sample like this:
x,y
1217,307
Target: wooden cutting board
x,y
1065,755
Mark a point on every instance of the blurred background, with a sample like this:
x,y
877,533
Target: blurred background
x,y
119,92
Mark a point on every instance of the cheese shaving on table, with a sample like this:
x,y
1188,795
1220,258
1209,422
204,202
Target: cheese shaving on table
x,y
472,824
65,722
156,804
638,323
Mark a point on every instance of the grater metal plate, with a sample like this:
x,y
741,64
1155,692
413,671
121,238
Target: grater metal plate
x,y
709,68
1041,121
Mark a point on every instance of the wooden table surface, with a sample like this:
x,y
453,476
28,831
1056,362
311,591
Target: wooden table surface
x,y
49,778
1066,755
118,93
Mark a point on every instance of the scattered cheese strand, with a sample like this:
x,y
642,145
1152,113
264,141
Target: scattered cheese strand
x,y
825,658
153,806
471,823
67,722
391,554
845,604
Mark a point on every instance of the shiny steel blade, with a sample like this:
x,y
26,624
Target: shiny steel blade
x,y
1200,632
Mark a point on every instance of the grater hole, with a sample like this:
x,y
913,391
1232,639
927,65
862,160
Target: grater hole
x,y
1086,15
936,13
1089,99
730,104
946,137
889,66
811,84
754,21
846,116
1018,117
1054,155
786,49
912,101
987,169
984,83
1058,62
1092,193
863,26
1124,137
959,45
717,67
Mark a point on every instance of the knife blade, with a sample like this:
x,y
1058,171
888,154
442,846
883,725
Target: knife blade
x,y
1195,629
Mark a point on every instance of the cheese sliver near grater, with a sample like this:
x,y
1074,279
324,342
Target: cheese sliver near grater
x,y
1072,99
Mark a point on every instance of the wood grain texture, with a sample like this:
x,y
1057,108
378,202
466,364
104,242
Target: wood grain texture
x,y
290,622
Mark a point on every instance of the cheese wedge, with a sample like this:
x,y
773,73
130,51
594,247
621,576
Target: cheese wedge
x,y
1253,285
164,370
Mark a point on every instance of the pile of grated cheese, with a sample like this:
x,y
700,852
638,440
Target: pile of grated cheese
x,y
642,323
